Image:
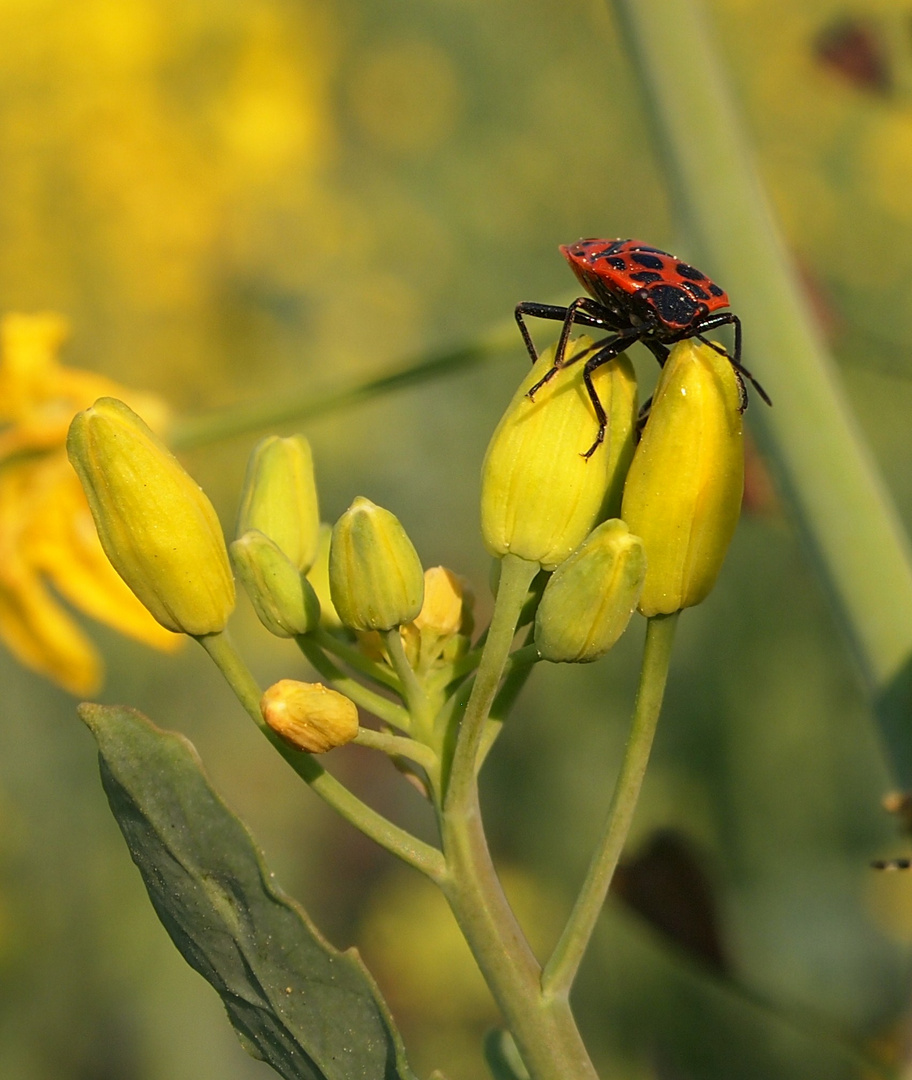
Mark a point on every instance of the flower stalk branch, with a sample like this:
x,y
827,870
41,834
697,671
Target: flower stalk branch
x,y
561,969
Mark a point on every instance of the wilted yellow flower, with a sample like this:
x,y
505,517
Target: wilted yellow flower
x,y
48,542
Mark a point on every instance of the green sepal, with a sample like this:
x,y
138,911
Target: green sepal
x,y
296,1003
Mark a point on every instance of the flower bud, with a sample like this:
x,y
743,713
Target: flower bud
x,y
282,596
446,603
309,716
590,597
683,491
280,498
318,576
540,496
445,614
155,524
375,575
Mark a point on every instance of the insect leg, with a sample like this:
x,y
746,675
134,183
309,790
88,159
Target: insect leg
x,y
558,314
728,319
613,349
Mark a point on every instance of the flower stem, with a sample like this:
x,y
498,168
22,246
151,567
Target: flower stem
x,y
356,659
544,1031
384,709
412,851
561,969
516,576
397,746
412,690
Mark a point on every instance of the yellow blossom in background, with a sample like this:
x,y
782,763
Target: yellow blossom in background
x,y
48,544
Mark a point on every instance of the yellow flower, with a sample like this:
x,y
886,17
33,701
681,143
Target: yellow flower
x,y
48,543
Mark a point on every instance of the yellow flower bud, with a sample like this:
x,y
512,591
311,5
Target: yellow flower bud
x,y
375,575
318,576
590,597
280,498
309,716
281,595
445,615
540,495
445,600
155,524
683,491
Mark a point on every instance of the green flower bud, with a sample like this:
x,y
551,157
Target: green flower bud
x,y
282,596
155,524
590,597
375,575
309,716
280,498
540,496
683,491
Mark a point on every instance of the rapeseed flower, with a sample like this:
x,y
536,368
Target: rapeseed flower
x,y
48,545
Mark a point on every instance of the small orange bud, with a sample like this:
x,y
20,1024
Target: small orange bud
x,y
309,716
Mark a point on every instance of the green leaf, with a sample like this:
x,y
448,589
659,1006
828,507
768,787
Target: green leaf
x,y
306,1009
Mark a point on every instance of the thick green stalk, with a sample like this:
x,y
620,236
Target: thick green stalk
x,y
545,1032
561,969
822,464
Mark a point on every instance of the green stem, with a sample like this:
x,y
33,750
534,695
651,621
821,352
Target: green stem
x,y
397,746
516,576
384,709
412,851
518,669
356,659
561,969
415,698
824,468
545,1032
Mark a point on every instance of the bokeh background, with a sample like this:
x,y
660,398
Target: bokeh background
x,y
238,202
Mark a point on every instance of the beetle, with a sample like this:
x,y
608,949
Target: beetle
x,y
638,293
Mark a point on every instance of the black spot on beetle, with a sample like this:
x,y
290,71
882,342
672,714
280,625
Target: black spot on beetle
x,y
673,306
715,290
689,272
695,291
646,277
651,262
